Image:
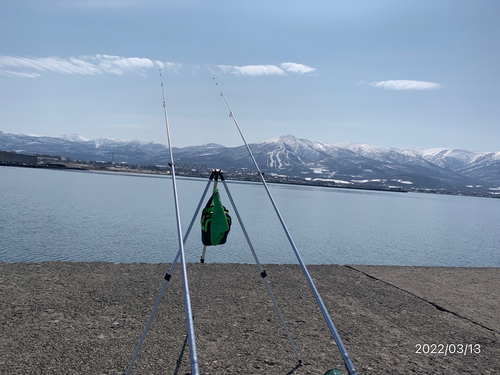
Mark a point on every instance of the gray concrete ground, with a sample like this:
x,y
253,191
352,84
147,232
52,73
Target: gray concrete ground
x,y
86,318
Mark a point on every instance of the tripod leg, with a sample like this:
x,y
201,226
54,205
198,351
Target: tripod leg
x,y
202,259
262,272
167,279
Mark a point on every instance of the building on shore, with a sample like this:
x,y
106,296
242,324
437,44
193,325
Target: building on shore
x,y
8,157
47,159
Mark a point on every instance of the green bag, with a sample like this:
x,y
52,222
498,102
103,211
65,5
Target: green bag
x,y
215,222
333,372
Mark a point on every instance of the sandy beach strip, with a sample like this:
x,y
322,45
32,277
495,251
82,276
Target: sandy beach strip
x,y
87,318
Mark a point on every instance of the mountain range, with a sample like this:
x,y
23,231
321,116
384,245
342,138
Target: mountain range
x,y
344,164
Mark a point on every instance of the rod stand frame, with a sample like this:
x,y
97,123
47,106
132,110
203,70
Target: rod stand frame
x,y
215,175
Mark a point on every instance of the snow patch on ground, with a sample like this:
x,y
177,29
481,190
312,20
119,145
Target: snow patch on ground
x,y
380,180
403,182
331,180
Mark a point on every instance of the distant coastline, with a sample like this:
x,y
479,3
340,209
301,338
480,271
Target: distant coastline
x,y
270,178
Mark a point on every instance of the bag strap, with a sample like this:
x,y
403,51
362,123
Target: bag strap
x,y
210,201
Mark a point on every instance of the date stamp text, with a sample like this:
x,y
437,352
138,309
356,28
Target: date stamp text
x,y
445,349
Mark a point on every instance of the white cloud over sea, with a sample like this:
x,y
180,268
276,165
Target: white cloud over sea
x,y
252,70
32,67
403,84
266,70
297,68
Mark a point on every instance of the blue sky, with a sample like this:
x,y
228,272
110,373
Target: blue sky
x,y
386,73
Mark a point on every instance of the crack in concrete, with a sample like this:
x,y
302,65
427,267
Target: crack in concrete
x,y
440,308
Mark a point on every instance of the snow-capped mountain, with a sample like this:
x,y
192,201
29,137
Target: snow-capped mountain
x,y
74,138
345,163
76,147
357,163
446,158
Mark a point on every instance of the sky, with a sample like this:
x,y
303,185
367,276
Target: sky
x,y
385,73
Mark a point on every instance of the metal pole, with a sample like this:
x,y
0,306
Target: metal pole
x,y
187,299
343,351
202,258
262,272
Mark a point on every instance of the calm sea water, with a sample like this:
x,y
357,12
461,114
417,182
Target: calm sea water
x,y
90,216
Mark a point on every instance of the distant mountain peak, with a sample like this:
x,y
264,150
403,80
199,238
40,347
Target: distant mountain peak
x,y
73,137
287,138
294,142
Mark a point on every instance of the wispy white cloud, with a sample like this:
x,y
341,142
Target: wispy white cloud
x,y
252,70
174,67
296,68
403,84
32,67
266,70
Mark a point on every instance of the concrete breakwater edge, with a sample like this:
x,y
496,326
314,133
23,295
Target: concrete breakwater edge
x,y
87,318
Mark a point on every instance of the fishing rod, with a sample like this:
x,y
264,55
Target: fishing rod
x,y
343,351
187,299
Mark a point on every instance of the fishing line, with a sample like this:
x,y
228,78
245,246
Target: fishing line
x,y
345,355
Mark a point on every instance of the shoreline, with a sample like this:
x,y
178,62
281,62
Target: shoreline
x,y
231,177
71,317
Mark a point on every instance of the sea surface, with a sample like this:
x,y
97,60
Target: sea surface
x,y
50,215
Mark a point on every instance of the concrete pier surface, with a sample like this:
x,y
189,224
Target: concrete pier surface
x,y
87,318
